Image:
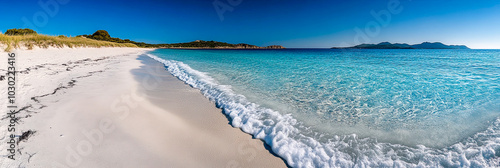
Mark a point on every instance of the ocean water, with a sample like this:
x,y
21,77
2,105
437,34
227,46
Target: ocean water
x,y
356,108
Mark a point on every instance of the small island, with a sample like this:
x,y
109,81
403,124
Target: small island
x,y
387,45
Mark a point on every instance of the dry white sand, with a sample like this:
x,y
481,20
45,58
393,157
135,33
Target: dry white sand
x,y
111,107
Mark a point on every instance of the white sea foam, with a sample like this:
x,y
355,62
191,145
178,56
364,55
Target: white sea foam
x,y
282,134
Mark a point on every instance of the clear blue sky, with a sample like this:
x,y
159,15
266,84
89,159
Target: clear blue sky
x,y
291,23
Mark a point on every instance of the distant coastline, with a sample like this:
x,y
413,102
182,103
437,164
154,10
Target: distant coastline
x,y
103,35
200,44
387,45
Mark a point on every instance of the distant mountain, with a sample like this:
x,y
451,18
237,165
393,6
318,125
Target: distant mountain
x,y
438,45
387,45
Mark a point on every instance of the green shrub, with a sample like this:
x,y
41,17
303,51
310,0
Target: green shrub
x,y
101,35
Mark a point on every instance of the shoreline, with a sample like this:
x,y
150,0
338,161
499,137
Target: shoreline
x,y
103,111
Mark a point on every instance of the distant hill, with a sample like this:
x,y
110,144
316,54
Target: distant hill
x,y
387,45
103,35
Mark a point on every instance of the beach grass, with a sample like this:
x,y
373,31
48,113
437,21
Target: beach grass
x,y
45,41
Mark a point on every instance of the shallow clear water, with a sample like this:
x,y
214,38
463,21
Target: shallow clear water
x,y
310,102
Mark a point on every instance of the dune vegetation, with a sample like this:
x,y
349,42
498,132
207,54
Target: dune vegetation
x,y
18,38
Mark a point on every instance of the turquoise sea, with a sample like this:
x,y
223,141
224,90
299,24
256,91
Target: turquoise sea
x,y
355,108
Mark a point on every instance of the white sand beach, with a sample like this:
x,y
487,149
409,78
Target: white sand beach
x,y
114,107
